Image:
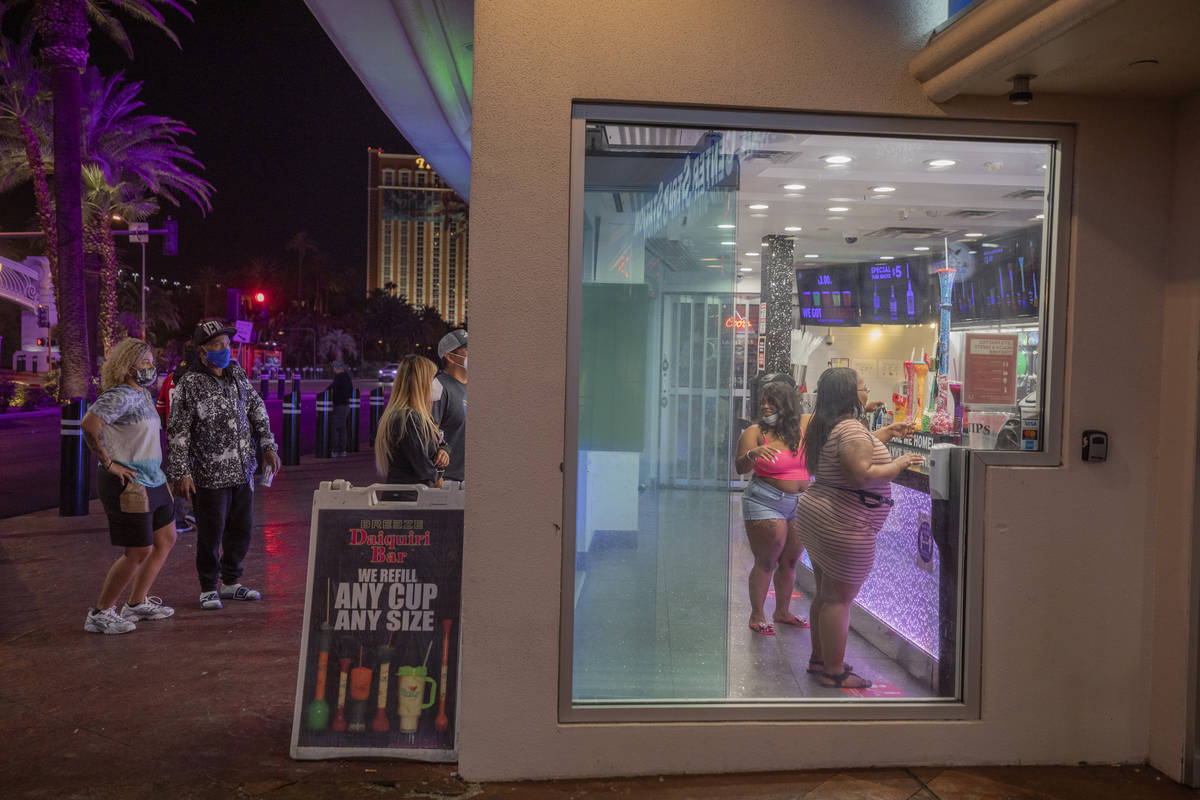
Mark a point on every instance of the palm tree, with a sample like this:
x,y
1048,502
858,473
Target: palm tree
x,y
24,117
129,159
62,28
336,344
104,202
301,244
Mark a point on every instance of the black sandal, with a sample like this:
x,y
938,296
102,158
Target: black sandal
x,y
838,680
820,667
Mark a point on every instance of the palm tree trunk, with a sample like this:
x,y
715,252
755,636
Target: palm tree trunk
x,y
99,240
63,28
43,200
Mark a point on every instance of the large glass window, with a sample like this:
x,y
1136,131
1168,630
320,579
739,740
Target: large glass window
x,y
712,260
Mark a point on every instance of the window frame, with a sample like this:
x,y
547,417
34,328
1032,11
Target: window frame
x,y
1056,249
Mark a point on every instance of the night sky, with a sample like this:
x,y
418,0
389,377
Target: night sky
x,y
282,126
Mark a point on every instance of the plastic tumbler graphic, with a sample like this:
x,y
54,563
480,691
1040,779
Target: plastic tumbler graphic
x,y
413,682
910,400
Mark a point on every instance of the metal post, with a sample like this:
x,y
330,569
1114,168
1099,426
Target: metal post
x,y
264,386
74,481
281,383
324,417
296,387
376,410
352,435
290,449
143,292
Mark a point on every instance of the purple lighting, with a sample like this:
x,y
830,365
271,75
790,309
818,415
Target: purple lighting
x,y
902,590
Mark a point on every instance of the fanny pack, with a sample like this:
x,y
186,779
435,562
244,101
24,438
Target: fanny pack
x,y
868,499
135,500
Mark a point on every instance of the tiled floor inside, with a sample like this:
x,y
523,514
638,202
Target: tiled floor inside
x,y
663,612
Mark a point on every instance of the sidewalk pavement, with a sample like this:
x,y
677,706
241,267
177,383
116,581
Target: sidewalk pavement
x,y
200,705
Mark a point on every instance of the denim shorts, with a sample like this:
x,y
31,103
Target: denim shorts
x,y
760,500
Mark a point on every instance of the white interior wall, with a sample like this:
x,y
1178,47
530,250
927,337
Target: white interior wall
x,y
1066,646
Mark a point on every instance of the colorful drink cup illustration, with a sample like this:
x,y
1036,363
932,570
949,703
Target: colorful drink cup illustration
x,y
380,723
412,684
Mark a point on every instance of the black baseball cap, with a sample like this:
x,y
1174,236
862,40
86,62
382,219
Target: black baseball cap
x,y
210,329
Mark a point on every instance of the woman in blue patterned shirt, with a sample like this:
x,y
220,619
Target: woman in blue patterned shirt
x,y
122,430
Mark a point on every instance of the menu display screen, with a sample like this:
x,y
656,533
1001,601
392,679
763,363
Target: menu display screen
x,y
1002,280
828,295
895,292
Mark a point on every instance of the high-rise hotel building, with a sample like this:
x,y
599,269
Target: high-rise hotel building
x,y
416,234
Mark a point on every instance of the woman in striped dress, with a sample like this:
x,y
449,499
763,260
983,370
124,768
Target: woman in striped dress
x,y
842,511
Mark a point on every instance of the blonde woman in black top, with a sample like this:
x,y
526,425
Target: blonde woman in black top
x,y
408,444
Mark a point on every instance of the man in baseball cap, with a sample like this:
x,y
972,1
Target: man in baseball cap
x,y
450,409
215,417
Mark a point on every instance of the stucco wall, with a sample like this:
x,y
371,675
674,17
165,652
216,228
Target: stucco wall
x,y
1067,570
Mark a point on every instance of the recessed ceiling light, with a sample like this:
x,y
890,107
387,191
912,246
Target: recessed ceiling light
x,y
727,225
793,195
990,244
710,259
811,255
837,209
745,269
972,252
841,199
793,228
1040,216
1043,166
758,215
794,187
713,266
836,159
887,258
835,218
940,163
882,189
752,254
920,248
758,206
879,197
728,244
973,234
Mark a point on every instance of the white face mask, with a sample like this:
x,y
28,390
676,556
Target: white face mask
x,y
770,419
435,393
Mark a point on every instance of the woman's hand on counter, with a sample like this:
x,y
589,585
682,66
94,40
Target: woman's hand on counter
x,y
907,461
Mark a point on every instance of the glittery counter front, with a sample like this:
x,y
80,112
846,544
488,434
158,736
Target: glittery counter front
x,y
902,590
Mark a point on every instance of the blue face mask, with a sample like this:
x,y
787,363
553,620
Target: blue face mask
x,y
218,358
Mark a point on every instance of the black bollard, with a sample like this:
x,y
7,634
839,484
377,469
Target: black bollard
x,y
324,418
281,380
75,469
352,434
264,386
376,410
289,450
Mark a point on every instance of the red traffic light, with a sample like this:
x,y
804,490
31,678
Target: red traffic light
x,y
260,297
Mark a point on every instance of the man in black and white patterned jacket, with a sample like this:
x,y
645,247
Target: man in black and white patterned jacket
x,y
215,417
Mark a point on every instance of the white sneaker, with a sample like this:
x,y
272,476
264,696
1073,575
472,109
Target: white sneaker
x,y
209,601
150,608
107,621
236,591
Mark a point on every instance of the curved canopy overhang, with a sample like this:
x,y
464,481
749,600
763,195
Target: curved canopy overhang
x,y
415,58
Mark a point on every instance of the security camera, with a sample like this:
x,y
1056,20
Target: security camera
x,y
850,237
829,339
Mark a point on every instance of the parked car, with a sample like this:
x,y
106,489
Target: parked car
x,y
387,373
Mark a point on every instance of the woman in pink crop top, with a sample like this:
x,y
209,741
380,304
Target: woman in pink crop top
x,y
772,449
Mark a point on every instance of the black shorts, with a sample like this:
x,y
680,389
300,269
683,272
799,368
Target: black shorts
x,y
134,530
